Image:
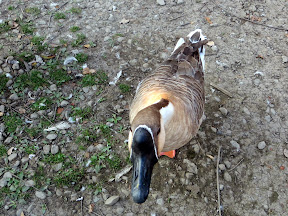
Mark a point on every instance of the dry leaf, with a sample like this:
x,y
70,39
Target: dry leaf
x,y
9,152
22,111
87,46
60,110
208,20
211,43
91,207
48,57
1,114
286,35
87,155
260,56
124,21
22,214
19,36
92,71
255,18
86,70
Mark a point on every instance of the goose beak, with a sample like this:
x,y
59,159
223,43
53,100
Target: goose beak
x,y
142,172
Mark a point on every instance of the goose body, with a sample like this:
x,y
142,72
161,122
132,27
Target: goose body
x,y
167,109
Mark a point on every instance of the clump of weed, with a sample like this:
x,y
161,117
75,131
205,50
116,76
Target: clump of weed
x,y
75,10
82,112
12,122
74,28
27,28
100,77
60,76
37,41
3,81
4,27
42,103
87,135
3,150
25,56
33,79
11,7
33,10
114,119
124,88
69,177
80,39
59,15
82,57
54,158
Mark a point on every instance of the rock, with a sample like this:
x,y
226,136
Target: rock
x,y
235,144
96,199
12,156
161,2
24,160
227,177
86,89
2,108
160,201
7,175
46,149
221,187
284,59
9,83
222,167
19,212
223,110
51,136
214,48
34,116
180,1
57,167
40,195
99,147
191,167
29,183
8,140
73,197
14,97
227,164
112,200
59,192
246,111
54,149
119,210
15,66
53,87
285,152
3,182
64,103
133,62
261,145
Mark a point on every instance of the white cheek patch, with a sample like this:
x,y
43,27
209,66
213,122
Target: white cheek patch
x,y
150,131
167,113
179,43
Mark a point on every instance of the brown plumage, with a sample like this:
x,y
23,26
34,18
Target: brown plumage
x,y
180,80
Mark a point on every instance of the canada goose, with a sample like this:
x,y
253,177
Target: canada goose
x,y
167,110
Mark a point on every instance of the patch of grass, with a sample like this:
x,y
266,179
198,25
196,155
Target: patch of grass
x,y
3,81
3,150
54,159
59,15
100,77
4,27
27,28
42,103
40,177
33,10
11,7
75,10
26,56
37,41
12,122
31,149
80,39
74,28
114,162
87,135
34,80
124,88
69,177
59,76
82,57
114,119
83,113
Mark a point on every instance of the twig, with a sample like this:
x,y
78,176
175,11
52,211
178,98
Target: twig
x,y
218,187
236,165
248,20
55,11
82,207
176,18
222,90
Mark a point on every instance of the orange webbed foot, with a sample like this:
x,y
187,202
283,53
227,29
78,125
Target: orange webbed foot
x,y
170,154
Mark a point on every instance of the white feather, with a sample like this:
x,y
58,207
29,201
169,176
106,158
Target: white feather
x,y
179,43
167,112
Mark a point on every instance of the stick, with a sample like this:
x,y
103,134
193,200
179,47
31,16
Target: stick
x,y
218,187
236,165
222,90
248,20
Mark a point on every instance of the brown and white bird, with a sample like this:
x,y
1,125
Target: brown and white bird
x,y
167,110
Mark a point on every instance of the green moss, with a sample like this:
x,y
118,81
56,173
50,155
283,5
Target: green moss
x,y
54,158
4,27
42,103
75,10
33,10
69,177
37,41
33,80
27,28
60,76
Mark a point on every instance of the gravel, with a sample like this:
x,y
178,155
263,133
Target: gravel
x,y
235,144
51,136
112,200
227,177
54,149
41,195
12,157
46,149
261,145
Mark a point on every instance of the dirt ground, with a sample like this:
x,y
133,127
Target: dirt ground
x,y
249,122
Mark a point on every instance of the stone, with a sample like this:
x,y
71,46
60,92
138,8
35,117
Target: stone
x,y
86,89
223,110
34,116
261,145
51,136
2,108
133,62
59,192
12,156
191,167
14,97
40,195
15,66
7,175
46,149
3,182
54,149
64,103
8,140
161,2
57,167
246,111
53,87
180,1
29,183
235,144
227,164
112,200
284,59
24,160
222,167
227,177
160,201
119,210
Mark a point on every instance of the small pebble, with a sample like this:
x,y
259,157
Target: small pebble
x,y
46,149
227,177
161,2
53,87
227,164
261,145
246,111
284,59
57,167
86,89
34,116
64,103
221,187
40,195
222,167
235,144
12,156
14,97
51,136
112,200
24,160
160,201
8,140
29,183
7,175
54,149
223,110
